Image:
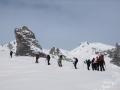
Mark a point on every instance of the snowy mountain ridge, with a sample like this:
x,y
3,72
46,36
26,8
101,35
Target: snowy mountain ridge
x,y
89,50
96,45
84,51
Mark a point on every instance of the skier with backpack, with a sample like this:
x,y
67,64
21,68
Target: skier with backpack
x,y
93,64
48,59
60,61
11,53
37,57
101,63
75,63
88,62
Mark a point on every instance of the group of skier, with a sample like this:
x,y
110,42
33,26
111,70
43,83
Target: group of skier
x,y
59,60
97,63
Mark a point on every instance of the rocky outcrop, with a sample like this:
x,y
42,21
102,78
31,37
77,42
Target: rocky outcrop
x,y
55,51
26,42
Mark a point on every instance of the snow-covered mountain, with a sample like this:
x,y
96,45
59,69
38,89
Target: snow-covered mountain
x,y
88,50
65,52
84,51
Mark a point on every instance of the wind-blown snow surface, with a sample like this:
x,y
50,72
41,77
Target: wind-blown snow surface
x,y
21,73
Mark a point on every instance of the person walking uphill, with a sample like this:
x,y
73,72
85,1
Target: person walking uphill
x,y
75,63
60,61
88,62
37,57
11,53
93,64
102,63
48,59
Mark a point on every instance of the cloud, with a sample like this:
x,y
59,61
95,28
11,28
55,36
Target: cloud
x,y
12,3
40,4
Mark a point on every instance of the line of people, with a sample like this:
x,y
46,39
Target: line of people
x,y
97,63
59,60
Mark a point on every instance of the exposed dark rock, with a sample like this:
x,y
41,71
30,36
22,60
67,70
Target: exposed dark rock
x,y
115,55
26,42
55,51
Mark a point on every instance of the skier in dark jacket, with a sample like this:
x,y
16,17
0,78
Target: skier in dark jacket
x,y
102,63
60,61
75,63
48,59
88,62
93,64
11,53
37,57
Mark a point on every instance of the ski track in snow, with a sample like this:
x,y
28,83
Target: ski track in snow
x,y
21,73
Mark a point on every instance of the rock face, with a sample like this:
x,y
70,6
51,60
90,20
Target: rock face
x,y
55,51
26,42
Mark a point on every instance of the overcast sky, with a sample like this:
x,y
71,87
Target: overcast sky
x,y
62,23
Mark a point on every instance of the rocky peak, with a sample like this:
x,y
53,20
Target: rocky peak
x,y
26,42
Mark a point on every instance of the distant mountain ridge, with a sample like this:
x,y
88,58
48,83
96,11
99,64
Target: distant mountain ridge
x,y
84,51
89,50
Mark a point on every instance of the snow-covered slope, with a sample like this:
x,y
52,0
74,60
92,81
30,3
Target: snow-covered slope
x,y
88,50
64,52
22,73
